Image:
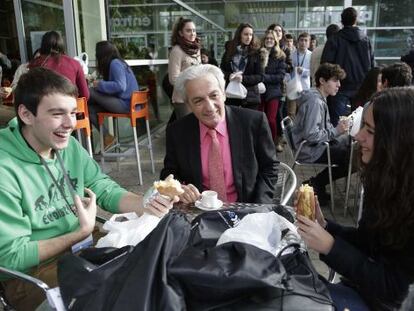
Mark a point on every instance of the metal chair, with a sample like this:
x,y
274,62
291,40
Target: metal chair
x,y
138,109
287,127
82,122
286,183
52,294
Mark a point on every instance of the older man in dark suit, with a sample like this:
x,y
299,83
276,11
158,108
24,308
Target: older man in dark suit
x,y
226,149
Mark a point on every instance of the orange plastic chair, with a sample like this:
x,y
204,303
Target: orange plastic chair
x,y
82,122
138,109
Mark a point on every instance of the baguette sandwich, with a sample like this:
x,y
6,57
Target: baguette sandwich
x,y
306,202
169,187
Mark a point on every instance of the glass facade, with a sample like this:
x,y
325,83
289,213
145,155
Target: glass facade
x,y
40,17
142,28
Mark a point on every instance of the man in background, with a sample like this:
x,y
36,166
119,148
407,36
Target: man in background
x,y
351,49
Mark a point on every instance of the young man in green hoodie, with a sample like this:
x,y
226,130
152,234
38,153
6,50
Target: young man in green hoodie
x,y
45,174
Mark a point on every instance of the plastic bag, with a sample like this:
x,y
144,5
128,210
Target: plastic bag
x,y
236,89
83,60
127,229
294,87
261,87
262,230
355,120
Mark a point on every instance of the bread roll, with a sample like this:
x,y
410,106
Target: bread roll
x,y
306,202
169,187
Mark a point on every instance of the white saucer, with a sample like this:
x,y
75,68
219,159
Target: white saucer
x,y
200,205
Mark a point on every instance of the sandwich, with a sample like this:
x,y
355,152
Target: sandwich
x,y
306,202
169,187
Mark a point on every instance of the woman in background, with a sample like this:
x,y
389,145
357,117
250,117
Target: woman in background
x,y
274,69
375,259
371,84
185,52
112,93
52,56
282,112
241,63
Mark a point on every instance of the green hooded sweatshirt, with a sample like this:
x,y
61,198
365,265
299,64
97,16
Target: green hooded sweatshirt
x,y
32,207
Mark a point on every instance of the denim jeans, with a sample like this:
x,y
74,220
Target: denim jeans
x,y
346,297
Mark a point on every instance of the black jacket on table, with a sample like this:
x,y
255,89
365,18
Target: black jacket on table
x,y
273,74
351,49
251,77
381,275
252,152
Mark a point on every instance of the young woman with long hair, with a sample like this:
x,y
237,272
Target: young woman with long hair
x,y
280,34
274,69
370,85
281,37
52,56
376,259
241,62
113,92
185,52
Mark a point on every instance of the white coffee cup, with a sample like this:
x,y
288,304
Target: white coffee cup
x,y
209,198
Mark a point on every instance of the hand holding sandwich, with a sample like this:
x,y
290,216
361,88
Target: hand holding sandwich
x,y
310,221
315,237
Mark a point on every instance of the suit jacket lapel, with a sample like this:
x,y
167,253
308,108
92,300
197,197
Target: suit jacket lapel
x,y
195,153
236,147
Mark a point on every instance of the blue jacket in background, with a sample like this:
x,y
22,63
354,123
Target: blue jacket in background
x,y
121,82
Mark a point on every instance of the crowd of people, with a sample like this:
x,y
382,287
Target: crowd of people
x,y
50,187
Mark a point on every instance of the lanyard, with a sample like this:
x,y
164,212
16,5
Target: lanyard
x,y
297,58
66,178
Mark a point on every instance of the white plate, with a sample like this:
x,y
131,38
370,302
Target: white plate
x,y
200,205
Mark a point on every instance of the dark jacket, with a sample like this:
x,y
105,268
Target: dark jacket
x,y
251,77
380,274
253,154
409,59
351,49
289,64
273,74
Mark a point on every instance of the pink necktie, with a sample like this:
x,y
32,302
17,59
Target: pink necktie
x,y
215,167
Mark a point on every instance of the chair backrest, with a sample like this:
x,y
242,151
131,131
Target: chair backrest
x,y
286,184
139,105
287,129
82,115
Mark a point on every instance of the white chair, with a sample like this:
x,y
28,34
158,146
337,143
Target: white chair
x,y
286,183
287,127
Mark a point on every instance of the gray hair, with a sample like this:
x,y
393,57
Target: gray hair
x,y
197,72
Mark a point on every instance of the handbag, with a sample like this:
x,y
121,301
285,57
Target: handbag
x,y
294,87
304,290
236,89
261,87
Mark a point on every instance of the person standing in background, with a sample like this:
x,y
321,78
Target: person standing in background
x,y
287,46
351,49
301,67
185,52
241,62
317,53
273,61
290,43
313,43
